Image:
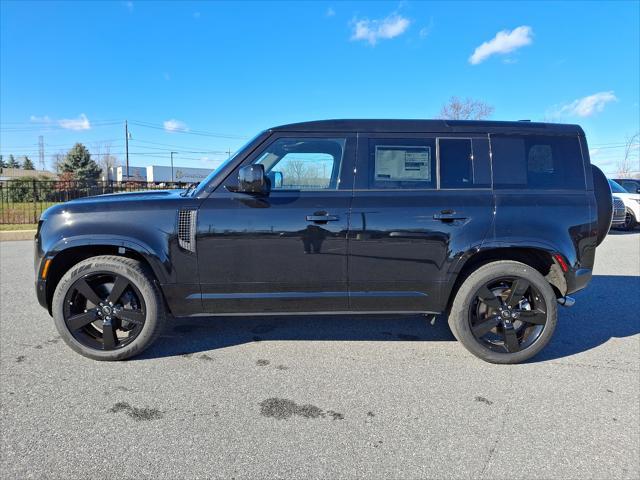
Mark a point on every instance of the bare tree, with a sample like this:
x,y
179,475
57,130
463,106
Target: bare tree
x,y
296,170
467,109
57,159
102,152
626,165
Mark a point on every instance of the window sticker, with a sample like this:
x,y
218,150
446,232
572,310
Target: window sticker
x,y
398,163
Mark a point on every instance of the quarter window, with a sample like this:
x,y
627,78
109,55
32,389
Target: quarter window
x,y
537,162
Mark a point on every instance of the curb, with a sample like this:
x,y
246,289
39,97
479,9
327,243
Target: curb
x,y
9,235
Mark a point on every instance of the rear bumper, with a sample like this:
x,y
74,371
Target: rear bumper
x,y
578,279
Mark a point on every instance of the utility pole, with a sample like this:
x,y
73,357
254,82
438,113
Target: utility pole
x,y
126,146
41,151
172,166
228,153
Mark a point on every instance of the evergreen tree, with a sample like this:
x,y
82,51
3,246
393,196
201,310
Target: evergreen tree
x,y
12,163
2,164
78,162
27,164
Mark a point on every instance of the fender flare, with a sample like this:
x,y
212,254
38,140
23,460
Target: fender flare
x,y
159,263
555,276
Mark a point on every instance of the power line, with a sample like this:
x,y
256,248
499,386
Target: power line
x,y
203,133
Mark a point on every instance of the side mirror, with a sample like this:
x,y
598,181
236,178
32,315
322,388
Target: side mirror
x,y
638,190
252,180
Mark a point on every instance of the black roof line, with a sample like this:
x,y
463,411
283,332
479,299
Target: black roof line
x,y
426,126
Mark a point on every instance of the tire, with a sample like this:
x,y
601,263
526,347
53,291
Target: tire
x,y
464,307
604,203
134,319
630,221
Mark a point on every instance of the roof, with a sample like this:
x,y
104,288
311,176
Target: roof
x,y
427,126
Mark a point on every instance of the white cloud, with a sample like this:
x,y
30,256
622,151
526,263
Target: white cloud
x,y
426,30
374,30
330,12
505,41
585,106
36,119
174,125
80,123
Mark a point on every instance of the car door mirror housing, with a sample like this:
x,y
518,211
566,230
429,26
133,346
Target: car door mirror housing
x,y
252,180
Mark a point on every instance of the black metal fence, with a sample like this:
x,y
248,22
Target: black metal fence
x,y
22,201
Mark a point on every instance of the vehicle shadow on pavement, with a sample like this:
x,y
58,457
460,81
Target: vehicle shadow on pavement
x,y
192,335
609,308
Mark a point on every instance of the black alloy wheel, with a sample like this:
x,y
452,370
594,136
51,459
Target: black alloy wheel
x,y
104,311
507,315
629,221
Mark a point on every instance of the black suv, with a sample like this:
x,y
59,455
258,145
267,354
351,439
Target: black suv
x,y
491,223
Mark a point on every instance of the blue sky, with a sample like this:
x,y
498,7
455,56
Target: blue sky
x,y
201,78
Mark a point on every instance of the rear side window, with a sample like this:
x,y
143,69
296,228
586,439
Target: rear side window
x,y
402,163
464,163
540,162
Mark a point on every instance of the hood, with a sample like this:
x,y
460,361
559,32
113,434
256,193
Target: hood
x,y
129,196
113,201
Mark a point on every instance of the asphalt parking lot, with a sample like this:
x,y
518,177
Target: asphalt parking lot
x,y
375,397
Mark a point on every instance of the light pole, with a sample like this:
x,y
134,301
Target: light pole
x,y
172,166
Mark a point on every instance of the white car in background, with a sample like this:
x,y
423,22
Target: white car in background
x,y
631,203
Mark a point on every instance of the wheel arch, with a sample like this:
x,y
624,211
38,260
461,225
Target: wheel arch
x,y
76,251
538,258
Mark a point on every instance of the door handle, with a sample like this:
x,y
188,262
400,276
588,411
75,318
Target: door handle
x,y
448,216
322,218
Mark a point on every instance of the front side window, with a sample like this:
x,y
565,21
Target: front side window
x,y
537,162
303,163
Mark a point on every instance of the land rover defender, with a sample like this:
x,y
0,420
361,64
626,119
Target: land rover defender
x,y
493,224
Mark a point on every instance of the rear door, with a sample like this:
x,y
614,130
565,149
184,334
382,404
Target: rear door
x,y
420,202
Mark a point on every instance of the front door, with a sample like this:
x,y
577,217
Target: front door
x,y
287,251
420,202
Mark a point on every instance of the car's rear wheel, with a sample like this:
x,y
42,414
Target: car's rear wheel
x,y
108,308
504,312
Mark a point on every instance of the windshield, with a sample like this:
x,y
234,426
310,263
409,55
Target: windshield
x,y
220,167
616,188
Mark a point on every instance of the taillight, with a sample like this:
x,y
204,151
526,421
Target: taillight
x,y
561,262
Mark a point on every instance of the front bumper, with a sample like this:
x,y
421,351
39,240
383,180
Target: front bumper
x,y
41,292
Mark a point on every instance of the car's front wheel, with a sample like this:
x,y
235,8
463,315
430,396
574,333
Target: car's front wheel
x,y
108,308
504,312
630,221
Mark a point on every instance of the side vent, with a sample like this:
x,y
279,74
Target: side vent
x,y
187,229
